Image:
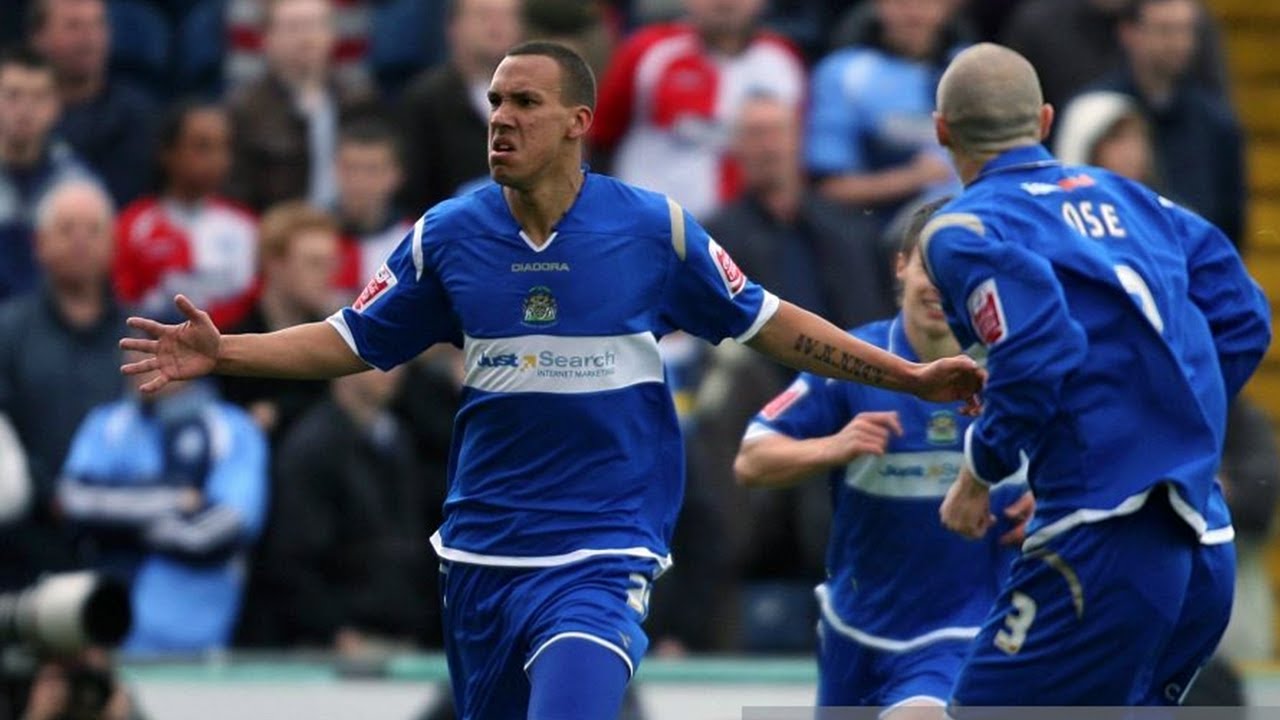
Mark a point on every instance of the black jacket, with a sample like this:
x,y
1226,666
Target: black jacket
x,y
445,140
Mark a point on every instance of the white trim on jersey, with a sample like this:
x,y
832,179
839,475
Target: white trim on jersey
x,y
542,561
1188,513
968,221
758,430
968,456
561,365
887,644
534,246
339,323
418,227
1130,505
1218,536
677,227
768,307
916,700
631,670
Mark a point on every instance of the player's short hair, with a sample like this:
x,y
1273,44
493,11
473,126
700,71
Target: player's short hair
x,y
577,82
991,100
920,217
284,222
26,58
367,130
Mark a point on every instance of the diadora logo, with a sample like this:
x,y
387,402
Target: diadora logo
x,y
1038,188
540,267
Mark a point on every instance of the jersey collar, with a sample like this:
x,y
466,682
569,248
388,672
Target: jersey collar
x,y
1032,157
899,344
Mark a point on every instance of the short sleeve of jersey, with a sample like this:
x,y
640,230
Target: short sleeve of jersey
x,y
706,294
402,311
811,407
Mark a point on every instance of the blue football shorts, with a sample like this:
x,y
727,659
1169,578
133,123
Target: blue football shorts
x,y
851,674
498,620
1120,612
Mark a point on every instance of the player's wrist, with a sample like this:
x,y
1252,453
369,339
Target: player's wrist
x,y
974,453
830,453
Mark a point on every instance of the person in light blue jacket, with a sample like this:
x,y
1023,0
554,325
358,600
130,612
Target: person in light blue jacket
x,y
167,492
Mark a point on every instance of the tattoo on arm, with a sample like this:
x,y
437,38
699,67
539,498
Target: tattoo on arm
x,y
829,355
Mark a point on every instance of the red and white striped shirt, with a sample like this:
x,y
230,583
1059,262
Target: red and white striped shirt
x,y
207,251
668,103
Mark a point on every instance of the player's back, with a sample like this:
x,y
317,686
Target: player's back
x,y
1145,401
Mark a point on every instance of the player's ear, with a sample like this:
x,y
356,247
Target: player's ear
x,y
900,265
580,124
1046,120
941,130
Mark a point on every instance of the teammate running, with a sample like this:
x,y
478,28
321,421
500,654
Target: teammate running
x,y
1118,326
904,597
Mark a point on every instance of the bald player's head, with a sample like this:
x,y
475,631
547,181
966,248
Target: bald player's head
x,y
989,101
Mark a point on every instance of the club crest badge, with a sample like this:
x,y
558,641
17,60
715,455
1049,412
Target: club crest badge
x,y
540,307
943,429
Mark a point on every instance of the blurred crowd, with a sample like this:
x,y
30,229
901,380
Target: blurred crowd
x,y
264,156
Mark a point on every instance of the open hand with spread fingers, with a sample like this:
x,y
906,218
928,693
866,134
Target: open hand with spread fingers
x,y
174,352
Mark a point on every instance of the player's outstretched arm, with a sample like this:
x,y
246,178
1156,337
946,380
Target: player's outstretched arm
x,y
195,348
777,460
802,340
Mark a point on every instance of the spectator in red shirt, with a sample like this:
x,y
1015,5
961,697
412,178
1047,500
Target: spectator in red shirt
x,y
189,239
369,174
670,95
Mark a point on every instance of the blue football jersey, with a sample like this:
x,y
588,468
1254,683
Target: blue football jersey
x,y
566,444
1117,327
897,579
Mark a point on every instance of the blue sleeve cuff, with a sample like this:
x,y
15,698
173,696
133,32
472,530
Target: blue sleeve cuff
x,y
981,461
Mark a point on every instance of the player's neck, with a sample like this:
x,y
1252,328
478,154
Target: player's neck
x,y
969,166
930,347
539,207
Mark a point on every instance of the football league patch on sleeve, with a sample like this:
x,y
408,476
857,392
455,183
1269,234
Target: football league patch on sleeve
x,y
382,281
733,278
986,313
785,400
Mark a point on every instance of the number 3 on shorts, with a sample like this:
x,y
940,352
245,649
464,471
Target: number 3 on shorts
x,y
1016,623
